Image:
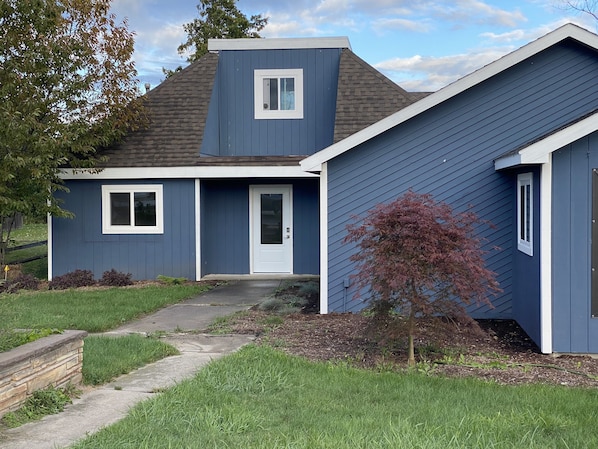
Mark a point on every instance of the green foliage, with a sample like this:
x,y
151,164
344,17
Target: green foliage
x,y
169,280
108,357
260,398
218,19
10,339
67,87
44,402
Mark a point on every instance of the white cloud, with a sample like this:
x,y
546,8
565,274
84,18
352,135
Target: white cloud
x,y
426,73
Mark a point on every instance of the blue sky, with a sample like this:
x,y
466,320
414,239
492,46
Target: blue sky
x,y
422,45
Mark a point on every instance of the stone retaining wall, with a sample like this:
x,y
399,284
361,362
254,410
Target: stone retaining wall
x,y
54,360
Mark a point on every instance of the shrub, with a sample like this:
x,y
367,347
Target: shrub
x,y
417,256
77,278
21,282
115,278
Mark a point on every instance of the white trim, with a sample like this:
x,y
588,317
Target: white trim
x,y
546,257
109,228
260,113
324,239
278,43
211,172
538,152
197,205
50,247
314,162
526,244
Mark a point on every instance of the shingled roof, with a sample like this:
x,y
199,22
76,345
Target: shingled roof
x,y
177,111
178,108
365,96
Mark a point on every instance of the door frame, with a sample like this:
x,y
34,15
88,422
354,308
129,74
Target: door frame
x,y
270,188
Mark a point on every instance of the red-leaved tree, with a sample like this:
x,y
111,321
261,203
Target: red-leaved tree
x,y
418,256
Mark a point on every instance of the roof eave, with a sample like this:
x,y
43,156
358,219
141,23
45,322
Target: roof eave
x,y
565,32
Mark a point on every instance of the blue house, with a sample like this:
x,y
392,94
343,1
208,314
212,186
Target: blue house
x,y
518,141
213,185
259,154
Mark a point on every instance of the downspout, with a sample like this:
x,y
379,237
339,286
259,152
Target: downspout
x,y
546,257
197,230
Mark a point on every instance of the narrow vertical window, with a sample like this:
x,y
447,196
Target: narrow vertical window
x,y
525,212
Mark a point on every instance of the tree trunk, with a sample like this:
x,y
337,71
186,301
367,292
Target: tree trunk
x,y
411,349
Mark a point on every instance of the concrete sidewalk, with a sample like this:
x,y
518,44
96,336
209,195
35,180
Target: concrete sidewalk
x,y
109,403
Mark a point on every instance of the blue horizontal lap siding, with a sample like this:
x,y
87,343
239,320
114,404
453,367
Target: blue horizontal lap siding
x,y
448,151
242,135
79,243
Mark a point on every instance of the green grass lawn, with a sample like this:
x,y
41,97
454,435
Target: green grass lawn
x,y
91,310
106,358
262,398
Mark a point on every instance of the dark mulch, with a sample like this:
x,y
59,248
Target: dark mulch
x,y
495,350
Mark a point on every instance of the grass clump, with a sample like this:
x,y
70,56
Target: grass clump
x,y
10,339
261,398
108,357
48,401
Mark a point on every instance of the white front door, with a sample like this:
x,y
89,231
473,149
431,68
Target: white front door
x,y
271,229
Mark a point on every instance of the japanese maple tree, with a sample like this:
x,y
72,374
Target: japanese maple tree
x,y
419,257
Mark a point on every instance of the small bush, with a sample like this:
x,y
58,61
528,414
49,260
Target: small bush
x,y
115,278
21,282
77,278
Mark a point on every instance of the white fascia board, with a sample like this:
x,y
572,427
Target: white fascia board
x,y
213,172
314,162
278,43
539,151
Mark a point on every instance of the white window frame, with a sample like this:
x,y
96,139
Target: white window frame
x,y
108,228
258,90
525,242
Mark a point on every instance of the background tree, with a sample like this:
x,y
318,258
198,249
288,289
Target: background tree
x,y
218,19
67,86
417,256
583,6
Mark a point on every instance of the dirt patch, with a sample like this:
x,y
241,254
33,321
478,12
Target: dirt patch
x,y
493,350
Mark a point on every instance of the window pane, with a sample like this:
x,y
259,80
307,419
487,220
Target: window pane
x,y
271,94
271,214
522,212
528,212
145,209
120,209
287,94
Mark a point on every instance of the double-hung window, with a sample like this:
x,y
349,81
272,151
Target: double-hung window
x,y
132,209
278,94
525,213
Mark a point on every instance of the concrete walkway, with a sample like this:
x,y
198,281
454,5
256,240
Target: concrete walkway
x,y
109,403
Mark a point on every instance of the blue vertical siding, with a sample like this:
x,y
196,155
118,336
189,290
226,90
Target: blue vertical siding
x,y
224,227
448,151
80,244
241,135
574,330
526,269
306,227
225,235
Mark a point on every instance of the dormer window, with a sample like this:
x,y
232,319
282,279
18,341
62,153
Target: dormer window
x,y
278,94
